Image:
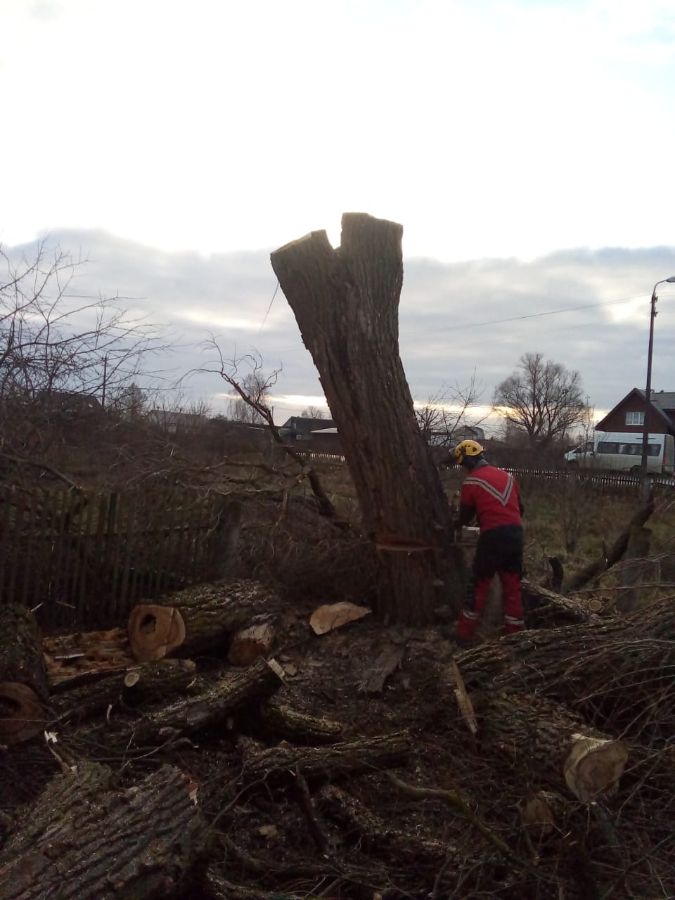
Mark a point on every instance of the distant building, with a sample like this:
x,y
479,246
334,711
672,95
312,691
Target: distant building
x,y
629,413
300,428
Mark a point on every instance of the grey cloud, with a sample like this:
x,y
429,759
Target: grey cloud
x,y
451,315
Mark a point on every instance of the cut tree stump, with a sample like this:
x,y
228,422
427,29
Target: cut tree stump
x,y
82,839
345,301
198,620
551,742
23,676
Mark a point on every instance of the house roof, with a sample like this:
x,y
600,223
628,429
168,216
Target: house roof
x,y
661,401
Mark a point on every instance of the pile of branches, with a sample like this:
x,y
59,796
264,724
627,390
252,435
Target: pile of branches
x,y
190,754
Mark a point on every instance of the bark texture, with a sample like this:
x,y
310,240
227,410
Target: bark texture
x,y
82,839
345,301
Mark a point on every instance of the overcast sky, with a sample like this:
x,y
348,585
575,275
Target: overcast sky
x,y
526,147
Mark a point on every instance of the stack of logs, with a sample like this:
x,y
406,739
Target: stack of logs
x,y
577,706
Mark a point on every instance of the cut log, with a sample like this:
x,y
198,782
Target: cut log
x,y
545,737
82,839
198,620
23,676
233,693
282,721
361,826
346,305
138,686
250,643
546,609
330,616
277,764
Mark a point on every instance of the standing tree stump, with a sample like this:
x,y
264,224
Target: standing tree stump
x,y
345,301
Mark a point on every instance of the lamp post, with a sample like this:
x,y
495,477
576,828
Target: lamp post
x,y
648,391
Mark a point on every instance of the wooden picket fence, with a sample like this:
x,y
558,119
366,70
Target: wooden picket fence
x,y
84,558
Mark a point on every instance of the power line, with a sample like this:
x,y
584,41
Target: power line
x,y
550,312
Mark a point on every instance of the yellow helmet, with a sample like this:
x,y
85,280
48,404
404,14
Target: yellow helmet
x,y
466,448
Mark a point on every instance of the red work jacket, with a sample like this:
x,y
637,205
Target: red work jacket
x,y
492,496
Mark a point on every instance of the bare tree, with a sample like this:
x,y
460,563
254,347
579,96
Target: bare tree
x,y
313,412
256,387
52,342
229,371
448,412
542,398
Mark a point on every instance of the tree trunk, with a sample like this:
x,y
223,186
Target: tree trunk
x,y
23,676
635,569
197,620
547,609
553,744
346,304
81,839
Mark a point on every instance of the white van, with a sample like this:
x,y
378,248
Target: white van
x,y
623,452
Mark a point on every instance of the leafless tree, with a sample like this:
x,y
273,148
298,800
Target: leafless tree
x,y
256,386
65,357
542,398
257,399
313,412
53,340
448,412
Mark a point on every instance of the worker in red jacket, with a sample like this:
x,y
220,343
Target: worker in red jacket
x,y
491,496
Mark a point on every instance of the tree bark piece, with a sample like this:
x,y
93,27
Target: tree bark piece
x,y
198,620
346,304
375,676
546,737
277,764
82,839
23,676
250,643
138,686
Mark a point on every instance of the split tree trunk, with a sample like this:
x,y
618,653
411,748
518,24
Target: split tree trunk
x,y
81,839
23,676
197,620
346,304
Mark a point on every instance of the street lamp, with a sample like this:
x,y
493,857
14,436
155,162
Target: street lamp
x,y
648,391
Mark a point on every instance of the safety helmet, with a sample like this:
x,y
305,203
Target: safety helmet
x,y
466,448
